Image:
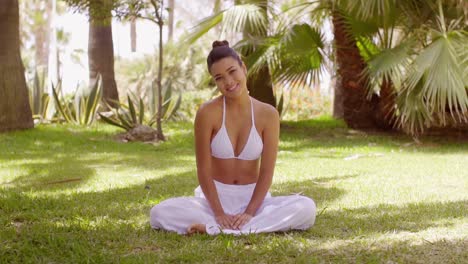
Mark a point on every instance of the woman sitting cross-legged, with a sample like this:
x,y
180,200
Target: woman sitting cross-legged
x,y
236,142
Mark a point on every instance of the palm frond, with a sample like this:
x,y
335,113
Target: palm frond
x,y
370,9
240,17
443,75
234,19
204,26
413,115
295,56
390,64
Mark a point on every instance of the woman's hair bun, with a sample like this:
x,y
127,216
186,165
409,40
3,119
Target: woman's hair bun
x,y
219,43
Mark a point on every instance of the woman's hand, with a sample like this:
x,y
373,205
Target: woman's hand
x,y
225,221
240,220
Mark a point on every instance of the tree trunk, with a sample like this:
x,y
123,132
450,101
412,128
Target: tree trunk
x,y
133,34
358,111
338,97
42,33
170,22
260,86
15,112
101,54
385,108
159,130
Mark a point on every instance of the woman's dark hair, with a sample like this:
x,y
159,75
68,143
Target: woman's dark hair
x,y
220,51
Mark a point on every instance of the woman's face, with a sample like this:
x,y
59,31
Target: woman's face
x,y
229,76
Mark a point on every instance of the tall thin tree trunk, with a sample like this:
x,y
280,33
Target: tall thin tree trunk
x,y
42,32
52,67
101,54
15,111
133,34
358,111
170,22
260,86
159,130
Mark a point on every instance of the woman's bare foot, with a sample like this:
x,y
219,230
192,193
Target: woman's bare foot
x,y
196,229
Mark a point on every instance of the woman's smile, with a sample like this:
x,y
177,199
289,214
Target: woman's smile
x,y
233,88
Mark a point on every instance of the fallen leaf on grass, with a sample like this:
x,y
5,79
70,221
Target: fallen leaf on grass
x,y
357,156
354,156
63,181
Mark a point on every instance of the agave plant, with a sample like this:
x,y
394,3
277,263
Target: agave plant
x,y
39,100
127,116
170,104
132,114
80,109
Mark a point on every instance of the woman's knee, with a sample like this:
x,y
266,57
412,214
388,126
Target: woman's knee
x,y
308,208
157,215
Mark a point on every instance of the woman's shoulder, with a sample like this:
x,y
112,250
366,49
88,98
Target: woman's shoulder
x,y
210,105
209,108
265,110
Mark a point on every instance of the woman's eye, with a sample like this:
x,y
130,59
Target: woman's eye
x,y
232,71
218,78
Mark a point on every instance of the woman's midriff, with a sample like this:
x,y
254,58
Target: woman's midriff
x,y
235,171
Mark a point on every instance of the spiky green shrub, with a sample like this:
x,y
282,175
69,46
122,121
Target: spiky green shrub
x,y
40,100
127,116
81,108
132,114
170,104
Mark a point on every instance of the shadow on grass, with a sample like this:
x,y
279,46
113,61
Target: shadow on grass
x,y
292,249
405,251
330,133
112,225
46,159
318,189
382,219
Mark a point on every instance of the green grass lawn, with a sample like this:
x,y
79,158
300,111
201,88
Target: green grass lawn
x,y
72,195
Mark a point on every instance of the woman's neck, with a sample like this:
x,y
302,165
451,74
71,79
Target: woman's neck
x,y
238,102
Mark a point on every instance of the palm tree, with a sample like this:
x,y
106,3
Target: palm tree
x,y
41,31
357,110
260,84
387,50
101,49
15,112
417,54
100,45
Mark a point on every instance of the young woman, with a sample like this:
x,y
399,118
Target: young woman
x,y
236,142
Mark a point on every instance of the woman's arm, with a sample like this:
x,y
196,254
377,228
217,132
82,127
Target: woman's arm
x,y
267,166
203,131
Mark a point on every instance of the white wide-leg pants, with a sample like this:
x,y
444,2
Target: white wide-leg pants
x,y
279,213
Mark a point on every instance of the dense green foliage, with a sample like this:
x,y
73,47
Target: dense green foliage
x,y
415,52
72,194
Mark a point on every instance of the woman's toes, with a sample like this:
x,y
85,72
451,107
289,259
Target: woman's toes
x,y
196,229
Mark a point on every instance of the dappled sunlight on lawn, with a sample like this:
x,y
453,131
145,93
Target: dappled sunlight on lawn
x,y
83,160
379,197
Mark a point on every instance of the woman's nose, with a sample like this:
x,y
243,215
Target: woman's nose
x,y
228,81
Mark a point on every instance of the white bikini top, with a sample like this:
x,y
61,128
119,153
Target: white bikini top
x,y
221,146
